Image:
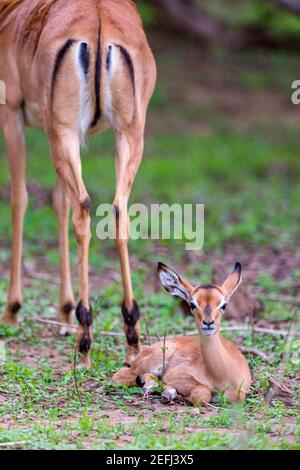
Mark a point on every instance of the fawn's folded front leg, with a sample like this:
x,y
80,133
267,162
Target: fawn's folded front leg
x,y
199,395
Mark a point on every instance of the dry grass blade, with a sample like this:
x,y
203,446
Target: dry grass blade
x,y
147,331
12,444
157,336
288,341
164,348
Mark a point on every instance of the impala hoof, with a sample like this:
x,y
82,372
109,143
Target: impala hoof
x,y
67,330
84,362
9,320
150,389
169,394
65,316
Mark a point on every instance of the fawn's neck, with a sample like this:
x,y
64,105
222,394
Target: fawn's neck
x,y
216,358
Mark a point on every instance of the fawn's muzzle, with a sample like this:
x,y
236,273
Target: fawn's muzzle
x,y
208,327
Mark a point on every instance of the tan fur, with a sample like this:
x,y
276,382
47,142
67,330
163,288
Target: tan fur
x,y
6,6
32,32
196,365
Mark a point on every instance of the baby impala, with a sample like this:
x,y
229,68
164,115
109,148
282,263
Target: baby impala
x,y
194,365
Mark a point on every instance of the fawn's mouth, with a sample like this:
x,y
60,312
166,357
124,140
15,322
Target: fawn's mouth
x,y
209,330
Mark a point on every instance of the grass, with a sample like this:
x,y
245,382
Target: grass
x,y
245,168
41,406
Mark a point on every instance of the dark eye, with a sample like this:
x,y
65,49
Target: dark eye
x,y
223,307
193,306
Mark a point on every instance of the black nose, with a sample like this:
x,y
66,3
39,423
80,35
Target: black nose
x,y
208,323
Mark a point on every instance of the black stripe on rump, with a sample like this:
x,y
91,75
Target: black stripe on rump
x,y
129,64
84,58
108,58
58,63
97,114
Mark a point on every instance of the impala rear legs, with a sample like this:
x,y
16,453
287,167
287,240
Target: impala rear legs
x,y
14,138
61,204
129,147
65,149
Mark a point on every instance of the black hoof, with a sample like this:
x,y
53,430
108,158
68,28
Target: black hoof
x,y
15,307
83,315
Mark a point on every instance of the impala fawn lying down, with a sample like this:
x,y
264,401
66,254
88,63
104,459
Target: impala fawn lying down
x,y
194,366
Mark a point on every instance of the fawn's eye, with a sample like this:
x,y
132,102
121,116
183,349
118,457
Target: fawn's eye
x,y
223,307
193,306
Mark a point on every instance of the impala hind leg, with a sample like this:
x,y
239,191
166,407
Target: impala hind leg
x,y
200,395
14,139
129,153
180,379
61,205
65,149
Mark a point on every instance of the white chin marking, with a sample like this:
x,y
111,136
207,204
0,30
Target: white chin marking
x,y
209,332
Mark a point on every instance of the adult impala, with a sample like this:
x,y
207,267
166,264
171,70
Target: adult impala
x,y
75,67
194,366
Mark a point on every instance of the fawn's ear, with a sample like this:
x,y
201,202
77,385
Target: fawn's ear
x,y
173,283
233,281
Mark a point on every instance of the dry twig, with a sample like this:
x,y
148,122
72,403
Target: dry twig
x,y
256,352
257,329
12,444
281,298
147,330
75,376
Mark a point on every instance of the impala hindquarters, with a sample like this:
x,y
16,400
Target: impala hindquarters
x,y
75,69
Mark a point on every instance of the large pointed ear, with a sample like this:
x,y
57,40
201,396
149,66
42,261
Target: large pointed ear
x,y
173,283
233,281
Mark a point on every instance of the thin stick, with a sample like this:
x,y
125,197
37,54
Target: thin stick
x,y
41,276
75,376
260,330
281,298
147,330
252,328
157,337
164,356
209,405
12,444
190,333
288,341
290,326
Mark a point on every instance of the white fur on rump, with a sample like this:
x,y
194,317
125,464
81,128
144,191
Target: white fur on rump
x,y
85,106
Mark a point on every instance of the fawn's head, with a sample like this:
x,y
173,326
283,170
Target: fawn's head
x,y
206,301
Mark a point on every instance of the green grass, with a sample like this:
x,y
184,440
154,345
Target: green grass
x,y
248,178
42,409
